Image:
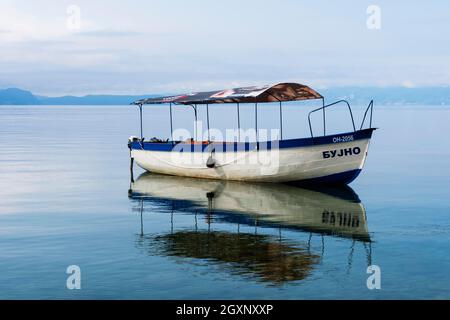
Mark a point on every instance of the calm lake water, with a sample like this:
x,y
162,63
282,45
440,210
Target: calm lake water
x,y
66,199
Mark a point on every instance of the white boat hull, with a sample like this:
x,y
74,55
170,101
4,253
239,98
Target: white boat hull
x,y
331,161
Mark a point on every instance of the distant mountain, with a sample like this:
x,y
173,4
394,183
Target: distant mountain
x,y
355,95
17,96
91,100
14,96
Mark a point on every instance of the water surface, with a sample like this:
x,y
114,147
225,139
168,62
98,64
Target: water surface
x,y
66,199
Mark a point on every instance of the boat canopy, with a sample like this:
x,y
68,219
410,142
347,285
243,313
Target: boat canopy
x,y
268,93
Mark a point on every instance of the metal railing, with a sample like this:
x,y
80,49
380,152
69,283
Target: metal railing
x,y
370,106
323,108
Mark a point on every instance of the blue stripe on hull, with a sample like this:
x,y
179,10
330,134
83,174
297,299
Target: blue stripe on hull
x,y
332,179
247,146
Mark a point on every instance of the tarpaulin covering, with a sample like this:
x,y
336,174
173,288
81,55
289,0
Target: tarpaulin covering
x,y
267,93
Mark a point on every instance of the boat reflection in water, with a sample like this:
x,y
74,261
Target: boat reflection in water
x,y
266,257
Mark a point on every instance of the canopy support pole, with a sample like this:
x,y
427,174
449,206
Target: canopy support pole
x,y
195,123
171,123
256,123
239,123
195,127
324,128
281,117
207,120
140,117
281,122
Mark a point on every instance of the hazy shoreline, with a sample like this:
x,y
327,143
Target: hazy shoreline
x,y
355,95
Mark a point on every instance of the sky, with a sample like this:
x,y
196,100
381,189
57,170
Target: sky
x,y
142,47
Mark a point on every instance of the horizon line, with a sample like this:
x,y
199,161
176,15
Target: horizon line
x,y
166,93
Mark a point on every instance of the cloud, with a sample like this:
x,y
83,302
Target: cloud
x,y
171,47
408,84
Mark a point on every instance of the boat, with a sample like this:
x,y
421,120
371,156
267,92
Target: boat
x,y
323,159
273,233
333,210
